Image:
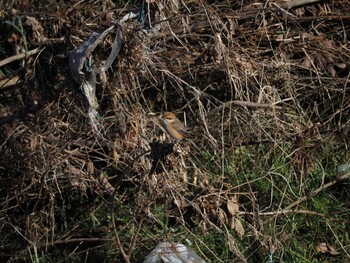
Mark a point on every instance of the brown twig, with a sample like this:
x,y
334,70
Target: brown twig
x,y
9,82
315,192
19,56
133,241
120,246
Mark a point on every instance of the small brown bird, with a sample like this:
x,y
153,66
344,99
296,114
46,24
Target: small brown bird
x,y
173,126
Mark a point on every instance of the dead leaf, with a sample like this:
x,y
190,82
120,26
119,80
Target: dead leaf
x,y
203,227
325,248
181,202
222,216
233,206
237,225
233,247
340,65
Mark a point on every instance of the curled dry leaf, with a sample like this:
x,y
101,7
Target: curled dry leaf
x,y
203,227
325,248
222,216
233,206
233,247
237,225
231,242
340,65
181,202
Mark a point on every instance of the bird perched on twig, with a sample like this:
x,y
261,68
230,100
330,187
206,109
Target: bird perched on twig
x,y
173,126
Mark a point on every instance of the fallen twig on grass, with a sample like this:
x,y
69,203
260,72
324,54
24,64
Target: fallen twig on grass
x,y
289,209
19,56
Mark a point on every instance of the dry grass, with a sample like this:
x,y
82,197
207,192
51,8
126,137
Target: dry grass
x,y
264,90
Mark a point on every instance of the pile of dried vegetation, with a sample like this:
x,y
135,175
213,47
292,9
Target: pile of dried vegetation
x,y
263,88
